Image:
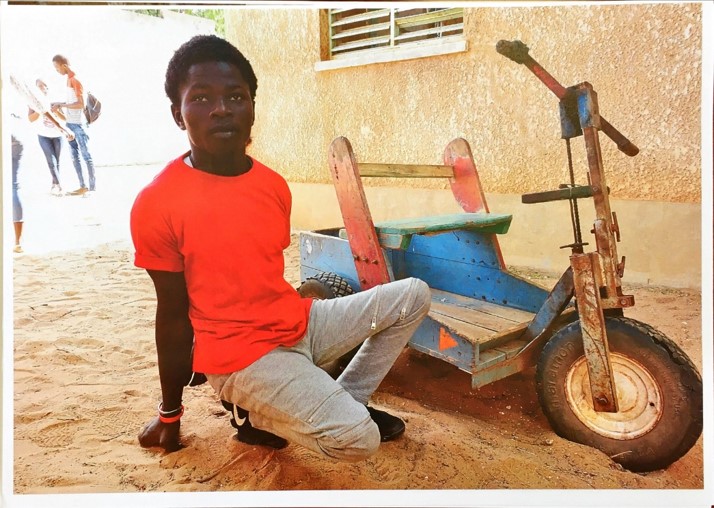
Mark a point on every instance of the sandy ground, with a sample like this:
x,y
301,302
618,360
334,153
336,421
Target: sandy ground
x,y
86,382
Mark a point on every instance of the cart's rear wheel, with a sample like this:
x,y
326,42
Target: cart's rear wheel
x,y
325,286
659,394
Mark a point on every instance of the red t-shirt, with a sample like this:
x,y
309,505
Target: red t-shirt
x,y
227,234
74,84
74,93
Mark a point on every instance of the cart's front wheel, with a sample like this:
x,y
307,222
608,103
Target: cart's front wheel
x,y
659,393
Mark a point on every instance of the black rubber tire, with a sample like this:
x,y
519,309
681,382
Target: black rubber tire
x,y
325,286
660,433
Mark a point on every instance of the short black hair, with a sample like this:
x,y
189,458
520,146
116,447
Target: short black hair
x,y
60,59
201,49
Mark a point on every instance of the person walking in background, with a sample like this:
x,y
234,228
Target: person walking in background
x,y
74,111
17,218
49,133
18,140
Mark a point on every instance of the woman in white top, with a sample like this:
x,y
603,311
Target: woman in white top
x,y
50,137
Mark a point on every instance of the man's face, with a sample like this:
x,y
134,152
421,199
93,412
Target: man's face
x,y
216,109
61,68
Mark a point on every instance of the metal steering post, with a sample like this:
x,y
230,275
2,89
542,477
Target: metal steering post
x,y
596,275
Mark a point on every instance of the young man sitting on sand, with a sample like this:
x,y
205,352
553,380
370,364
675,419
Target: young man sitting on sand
x,y
210,230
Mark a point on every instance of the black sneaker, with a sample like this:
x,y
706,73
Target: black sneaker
x,y
247,433
390,427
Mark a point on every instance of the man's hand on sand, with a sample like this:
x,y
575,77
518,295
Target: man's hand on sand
x,y
165,435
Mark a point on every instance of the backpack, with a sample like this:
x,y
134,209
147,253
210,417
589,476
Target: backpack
x,y
92,108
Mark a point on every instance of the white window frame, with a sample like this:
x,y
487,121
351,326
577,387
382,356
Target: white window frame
x,y
399,48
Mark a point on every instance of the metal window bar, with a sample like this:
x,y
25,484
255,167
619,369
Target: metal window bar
x,y
353,30
434,23
441,31
378,27
362,44
435,15
357,29
368,15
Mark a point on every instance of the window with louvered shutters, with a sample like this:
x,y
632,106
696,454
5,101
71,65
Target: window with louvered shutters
x,y
358,31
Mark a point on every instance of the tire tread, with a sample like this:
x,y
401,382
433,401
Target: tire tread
x,y
338,284
689,376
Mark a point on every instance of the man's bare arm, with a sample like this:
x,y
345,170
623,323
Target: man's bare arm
x,y
33,115
77,104
174,341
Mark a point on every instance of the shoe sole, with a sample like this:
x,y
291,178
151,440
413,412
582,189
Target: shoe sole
x,y
273,441
393,435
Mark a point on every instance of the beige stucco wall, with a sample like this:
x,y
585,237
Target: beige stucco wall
x,y
644,61
660,241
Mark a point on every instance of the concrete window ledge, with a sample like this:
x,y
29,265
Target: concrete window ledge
x,y
393,55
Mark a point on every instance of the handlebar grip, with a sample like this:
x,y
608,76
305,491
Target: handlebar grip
x,y
515,50
577,192
518,52
629,149
625,145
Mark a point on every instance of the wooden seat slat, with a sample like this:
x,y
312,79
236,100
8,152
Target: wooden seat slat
x,y
495,223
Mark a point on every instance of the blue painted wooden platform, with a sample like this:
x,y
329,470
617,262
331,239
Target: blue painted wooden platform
x,y
478,310
460,330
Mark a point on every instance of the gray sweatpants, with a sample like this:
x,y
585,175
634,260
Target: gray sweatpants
x,y
288,394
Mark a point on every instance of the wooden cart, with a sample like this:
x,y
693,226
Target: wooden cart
x,y
602,379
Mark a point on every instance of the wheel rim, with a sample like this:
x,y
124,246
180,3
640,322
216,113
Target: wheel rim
x,y
639,399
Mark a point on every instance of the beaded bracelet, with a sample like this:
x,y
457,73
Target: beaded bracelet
x,y
170,416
